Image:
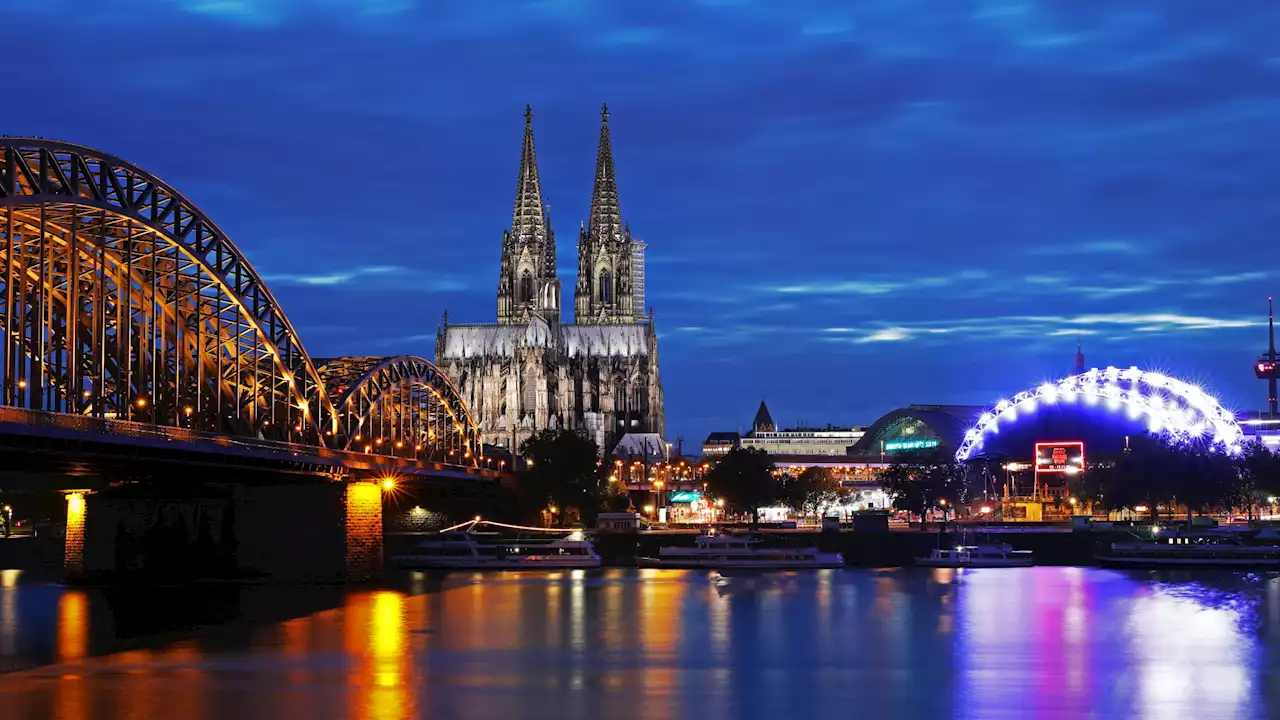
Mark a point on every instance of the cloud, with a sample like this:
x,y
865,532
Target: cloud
x,y
894,334
370,277
882,285
970,283
1091,247
1234,278
969,330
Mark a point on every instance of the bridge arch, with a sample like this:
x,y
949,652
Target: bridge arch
x,y
123,300
1168,405
400,405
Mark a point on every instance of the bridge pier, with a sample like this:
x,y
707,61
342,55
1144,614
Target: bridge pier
x,y
298,532
73,542
363,525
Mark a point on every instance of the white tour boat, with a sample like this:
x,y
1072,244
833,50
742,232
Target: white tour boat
x,y
467,547
738,552
978,556
1207,548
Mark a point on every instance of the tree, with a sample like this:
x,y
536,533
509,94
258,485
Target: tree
x,y
1257,476
1160,470
921,481
1203,475
1088,487
1142,475
744,478
811,490
562,472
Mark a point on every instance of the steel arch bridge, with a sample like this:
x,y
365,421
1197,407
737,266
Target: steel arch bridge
x,y
402,406
121,300
1166,404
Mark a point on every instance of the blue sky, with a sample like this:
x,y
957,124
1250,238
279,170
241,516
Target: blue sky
x,y
849,206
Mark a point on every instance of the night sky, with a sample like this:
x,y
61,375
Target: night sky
x,y
850,206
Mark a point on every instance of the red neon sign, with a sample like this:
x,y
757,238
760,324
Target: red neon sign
x,y
1060,457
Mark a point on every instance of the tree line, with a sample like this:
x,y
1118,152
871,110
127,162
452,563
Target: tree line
x,y
1195,476
564,479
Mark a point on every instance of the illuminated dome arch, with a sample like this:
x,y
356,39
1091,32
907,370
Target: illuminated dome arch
x,y
1169,405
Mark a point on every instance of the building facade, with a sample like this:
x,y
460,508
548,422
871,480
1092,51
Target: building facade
x,y
765,435
531,371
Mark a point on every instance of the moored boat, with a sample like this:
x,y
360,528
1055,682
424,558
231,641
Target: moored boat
x,y
1221,548
471,546
978,556
739,552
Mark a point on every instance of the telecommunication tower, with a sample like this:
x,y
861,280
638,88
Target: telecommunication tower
x,y
1267,368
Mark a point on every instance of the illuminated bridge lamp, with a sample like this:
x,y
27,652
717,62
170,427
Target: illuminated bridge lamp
x,y
388,484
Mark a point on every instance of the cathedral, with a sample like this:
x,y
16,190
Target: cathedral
x,y
531,370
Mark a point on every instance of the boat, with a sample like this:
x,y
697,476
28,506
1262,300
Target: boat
x,y
1223,548
978,556
714,551
473,546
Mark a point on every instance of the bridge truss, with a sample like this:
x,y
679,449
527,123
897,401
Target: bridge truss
x,y
402,406
119,299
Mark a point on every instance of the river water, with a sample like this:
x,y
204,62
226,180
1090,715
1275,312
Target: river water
x,y
1045,642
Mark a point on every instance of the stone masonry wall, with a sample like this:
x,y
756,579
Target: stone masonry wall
x,y
363,531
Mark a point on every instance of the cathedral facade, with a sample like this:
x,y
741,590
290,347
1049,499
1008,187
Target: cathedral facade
x,y
531,370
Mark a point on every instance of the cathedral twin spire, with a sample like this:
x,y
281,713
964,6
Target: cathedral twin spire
x,y
528,284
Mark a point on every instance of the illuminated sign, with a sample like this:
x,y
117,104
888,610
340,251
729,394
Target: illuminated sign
x,y
683,496
1266,369
899,445
1060,457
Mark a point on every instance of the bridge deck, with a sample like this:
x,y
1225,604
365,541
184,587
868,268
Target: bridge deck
x,y
62,432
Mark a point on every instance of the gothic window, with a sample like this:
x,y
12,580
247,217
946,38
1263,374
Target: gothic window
x,y
526,286
606,287
530,399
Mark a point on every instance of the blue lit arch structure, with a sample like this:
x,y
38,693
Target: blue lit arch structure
x,y
1167,404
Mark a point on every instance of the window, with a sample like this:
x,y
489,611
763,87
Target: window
x,y
526,287
606,287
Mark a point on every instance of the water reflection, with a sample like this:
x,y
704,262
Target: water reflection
x,y
73,625
377,642
1040,642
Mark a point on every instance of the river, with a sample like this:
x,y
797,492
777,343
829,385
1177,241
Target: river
x,y
1044,642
